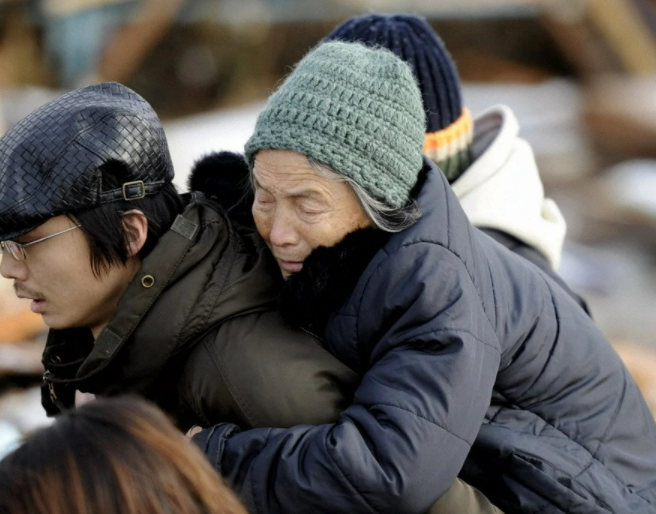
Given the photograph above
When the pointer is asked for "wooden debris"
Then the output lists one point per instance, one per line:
(641, 363)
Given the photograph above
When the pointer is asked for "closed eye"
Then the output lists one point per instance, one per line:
(311, 206)
(262, 198)
(310, 210)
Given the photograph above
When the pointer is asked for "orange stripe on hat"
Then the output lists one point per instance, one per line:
(449, 141)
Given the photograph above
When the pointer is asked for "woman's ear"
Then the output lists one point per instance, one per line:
(136, 228)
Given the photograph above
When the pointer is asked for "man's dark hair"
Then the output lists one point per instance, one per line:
(104, 228)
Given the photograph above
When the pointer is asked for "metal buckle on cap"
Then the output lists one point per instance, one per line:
(131, 192)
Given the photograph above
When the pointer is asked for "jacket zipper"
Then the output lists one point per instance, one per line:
(321, 340)
(47, 377)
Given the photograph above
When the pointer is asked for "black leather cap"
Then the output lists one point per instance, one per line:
(49, 161)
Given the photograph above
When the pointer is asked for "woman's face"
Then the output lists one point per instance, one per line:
(297, 210)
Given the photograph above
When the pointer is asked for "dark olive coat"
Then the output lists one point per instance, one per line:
(204, 341)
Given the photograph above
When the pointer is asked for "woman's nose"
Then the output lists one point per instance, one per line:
(283, 232)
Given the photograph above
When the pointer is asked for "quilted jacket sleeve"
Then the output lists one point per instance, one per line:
(432, 359)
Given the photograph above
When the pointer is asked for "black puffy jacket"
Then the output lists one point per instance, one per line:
(473, 362)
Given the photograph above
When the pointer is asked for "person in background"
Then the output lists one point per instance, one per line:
(491, 169)
(112, 456)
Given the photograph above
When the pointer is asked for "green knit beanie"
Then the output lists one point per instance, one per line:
(355, 109)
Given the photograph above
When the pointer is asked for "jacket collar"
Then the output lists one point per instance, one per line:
(327, 279)
(153, 278)
(330, 275)
(73, 355)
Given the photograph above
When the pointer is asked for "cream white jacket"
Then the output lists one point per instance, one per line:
(502, 189)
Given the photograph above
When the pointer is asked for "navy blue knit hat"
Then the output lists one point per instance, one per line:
(448, 125)
(414, 41)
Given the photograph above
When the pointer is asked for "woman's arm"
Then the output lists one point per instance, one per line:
(434, 359)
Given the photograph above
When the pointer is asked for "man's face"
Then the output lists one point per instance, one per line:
(57, 277)
(296, 209)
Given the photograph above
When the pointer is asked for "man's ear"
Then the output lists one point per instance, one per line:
(136, 227)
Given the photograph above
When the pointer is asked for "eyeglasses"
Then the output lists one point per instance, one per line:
(17, 250)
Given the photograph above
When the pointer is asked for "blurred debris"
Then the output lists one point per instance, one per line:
(623, 295)
(592, 34)
(136, 38)
(468, 8)
(10, 438)
(579, 41)
(66, 7)
(76, 33)
(16, 102)
(22, 339)
(17, 322)
(21, 59)
(584, 269)
(614, 207)
(641, 363)
(19, 326)
(192, 137)
(632, 187)
(22, 358)
(615, 19)
(620, 114)
(549, 115)
(22, 408)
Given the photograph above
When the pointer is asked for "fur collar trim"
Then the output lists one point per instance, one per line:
(328, 278)
(224, 177)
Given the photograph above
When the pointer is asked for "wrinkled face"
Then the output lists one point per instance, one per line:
(296, 210)
(57, 277)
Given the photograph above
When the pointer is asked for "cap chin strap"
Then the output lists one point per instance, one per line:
(132, 191)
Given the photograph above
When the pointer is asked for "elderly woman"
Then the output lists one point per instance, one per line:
(473, 362)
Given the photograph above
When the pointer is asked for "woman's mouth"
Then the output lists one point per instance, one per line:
(290, 266)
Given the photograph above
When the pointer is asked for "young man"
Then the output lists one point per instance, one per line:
(144, 290)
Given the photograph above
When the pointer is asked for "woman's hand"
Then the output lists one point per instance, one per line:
(193, 431)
